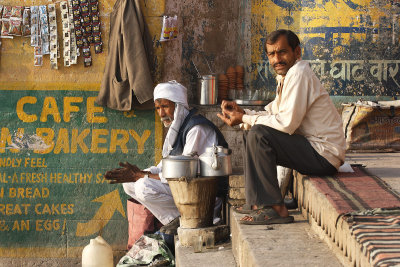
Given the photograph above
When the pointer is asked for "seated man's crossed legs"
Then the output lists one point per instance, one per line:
(155, 196)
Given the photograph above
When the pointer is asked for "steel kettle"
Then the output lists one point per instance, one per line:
(215, 161)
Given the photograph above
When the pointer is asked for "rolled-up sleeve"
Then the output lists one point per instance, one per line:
(267, 111)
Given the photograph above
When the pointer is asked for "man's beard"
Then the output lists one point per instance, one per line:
(167, 121)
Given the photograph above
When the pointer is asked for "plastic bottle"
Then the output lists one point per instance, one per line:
(98, 253)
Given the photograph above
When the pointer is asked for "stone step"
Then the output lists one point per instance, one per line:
(327, 222)
(220, 256)
(236, 187)
(292, 244)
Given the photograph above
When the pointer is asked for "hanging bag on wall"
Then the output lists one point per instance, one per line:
(372, 125)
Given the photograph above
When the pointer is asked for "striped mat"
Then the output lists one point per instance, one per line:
(379, 235)
(355, 191)
(372, 209)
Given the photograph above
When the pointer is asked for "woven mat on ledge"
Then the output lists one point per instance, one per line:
(372, 209)
(355, 191)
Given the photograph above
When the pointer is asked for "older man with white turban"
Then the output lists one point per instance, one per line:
(188, 133)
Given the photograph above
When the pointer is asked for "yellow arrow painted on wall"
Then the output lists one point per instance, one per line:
(111, 203)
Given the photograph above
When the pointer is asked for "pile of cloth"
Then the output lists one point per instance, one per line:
(148, 250)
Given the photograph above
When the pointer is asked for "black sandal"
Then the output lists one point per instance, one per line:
(245, 209)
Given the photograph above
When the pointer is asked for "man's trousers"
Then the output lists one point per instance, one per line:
(265, 148)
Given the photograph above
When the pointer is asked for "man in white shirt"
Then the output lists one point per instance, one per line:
(188, 133)
(300, 129)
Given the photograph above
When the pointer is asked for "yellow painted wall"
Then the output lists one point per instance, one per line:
(96, 207)
(337, 33)
(16, 55)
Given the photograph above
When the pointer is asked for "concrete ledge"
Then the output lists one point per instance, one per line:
(237, 193)
(236, 202)
(220, 256)
(186, 235)
(325, 220)
(237, 187)
(53, 262)
(279, 245)
(236, 181)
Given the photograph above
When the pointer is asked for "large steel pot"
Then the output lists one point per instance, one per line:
(179, 166)
(215, 161)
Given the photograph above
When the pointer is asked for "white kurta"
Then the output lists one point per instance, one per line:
(156, 195)
(304, 107)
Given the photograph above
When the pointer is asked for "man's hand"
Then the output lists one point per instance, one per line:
(128, 173)
(232, 114)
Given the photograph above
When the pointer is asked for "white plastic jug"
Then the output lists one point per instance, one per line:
(98, 253)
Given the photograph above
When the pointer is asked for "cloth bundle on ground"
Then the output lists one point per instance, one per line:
(148, 250)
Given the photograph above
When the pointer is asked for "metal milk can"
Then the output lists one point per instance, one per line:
(207, 87)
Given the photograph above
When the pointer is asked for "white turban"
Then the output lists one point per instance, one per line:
(177, 93)
(172, 91)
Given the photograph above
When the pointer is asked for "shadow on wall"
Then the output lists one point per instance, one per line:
(209, 31)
